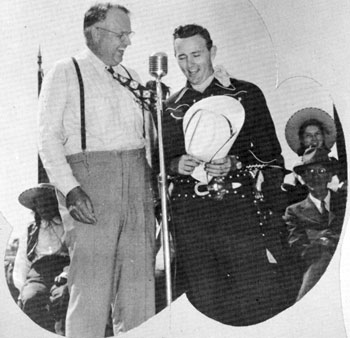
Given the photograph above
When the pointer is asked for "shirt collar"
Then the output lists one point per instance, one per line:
(317, 202)
(96, 61)
(220, 74)
(203, 86)
(56, 221)
(100, 66)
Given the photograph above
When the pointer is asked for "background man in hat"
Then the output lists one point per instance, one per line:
(42, 261)
(315, 223)
(101, 171)
(309, 127)
(229, 251)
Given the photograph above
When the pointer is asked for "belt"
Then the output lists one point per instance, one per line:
(218, 187)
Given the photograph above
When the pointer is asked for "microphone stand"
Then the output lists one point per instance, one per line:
(163, 190)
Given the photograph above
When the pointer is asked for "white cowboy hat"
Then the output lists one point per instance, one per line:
(210, 128)
(300, 117)
(27, 198)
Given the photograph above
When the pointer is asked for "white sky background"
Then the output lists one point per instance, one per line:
(301, 59)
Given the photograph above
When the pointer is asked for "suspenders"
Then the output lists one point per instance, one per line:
(82, 105)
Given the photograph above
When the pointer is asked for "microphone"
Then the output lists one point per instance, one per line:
(158, 64)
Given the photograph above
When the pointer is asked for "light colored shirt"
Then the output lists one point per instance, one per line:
(113, 118)
(50, 241)
(317, 202)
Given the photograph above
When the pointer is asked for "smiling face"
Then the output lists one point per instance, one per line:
(194, 58)
(313, 137)
(110, 47)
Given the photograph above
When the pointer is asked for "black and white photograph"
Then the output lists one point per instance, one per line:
(175, 169)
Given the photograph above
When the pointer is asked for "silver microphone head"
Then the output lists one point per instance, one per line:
(158, 64)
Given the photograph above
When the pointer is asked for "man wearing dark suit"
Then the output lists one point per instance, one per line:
(231, 257)
(315, 223)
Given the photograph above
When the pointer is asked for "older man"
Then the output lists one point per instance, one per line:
(228, 241)
(94, 126)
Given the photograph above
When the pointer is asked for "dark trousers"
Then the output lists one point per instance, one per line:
(222, 253)
(43, 301)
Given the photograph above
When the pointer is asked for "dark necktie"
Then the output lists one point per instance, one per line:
(324, 211)
(32, 240)
(143, 95)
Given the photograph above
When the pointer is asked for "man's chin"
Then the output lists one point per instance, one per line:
(118, 59)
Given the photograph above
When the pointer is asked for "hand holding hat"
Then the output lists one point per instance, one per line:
(210, 127)
(184, 164)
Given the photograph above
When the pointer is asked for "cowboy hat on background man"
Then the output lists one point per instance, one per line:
(42, 191)
(313, 156)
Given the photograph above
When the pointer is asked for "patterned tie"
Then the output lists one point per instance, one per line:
(143, 95)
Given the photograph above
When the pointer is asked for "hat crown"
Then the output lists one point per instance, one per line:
(210, 127)
(315, 156)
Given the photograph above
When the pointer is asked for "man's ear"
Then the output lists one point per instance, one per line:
(330, 176)
(95, 33)
(213, 52)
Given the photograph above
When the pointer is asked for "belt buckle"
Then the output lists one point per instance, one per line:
(197, 190)
(217, 188)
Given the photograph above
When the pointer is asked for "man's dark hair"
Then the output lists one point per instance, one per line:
(99, 11)
(187, 31)
(310, 122)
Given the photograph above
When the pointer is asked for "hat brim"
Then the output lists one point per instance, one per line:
(300, 117)
(44, 190)
(332, 164)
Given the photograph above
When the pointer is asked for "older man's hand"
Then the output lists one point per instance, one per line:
(80, 206)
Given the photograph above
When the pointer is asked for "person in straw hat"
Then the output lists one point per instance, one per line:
(309, 127)
(226, 167)
(42, 261)
(315, 224)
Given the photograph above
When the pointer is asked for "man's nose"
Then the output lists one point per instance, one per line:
(127, 40)
(190, 62)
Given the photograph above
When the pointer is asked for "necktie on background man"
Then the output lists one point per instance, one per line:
(324, 211)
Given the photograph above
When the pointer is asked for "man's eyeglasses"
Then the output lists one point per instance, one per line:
(121, 36)
(319, 171)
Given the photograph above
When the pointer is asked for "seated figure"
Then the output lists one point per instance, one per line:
(42, 261)
(314, 224)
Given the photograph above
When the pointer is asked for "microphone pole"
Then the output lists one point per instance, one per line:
(158, 67)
